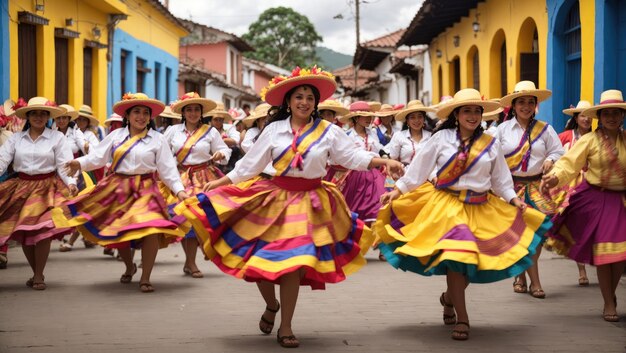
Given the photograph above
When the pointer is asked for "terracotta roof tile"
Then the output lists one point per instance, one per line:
(386, 41)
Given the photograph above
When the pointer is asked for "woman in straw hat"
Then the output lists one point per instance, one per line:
(5, 118)
(221, 121)
(330, 109)
(530, 147)
(125, 209)
(442, 229)
(254, 123)
(196, 147)
(591, 228)
(294, 229)
(88, 124)
(38, 155)
(577, 126)
(166, 119)
(386, 129)
(404, 145)
(113, 123)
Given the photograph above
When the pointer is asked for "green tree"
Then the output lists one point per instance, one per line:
(283, 37)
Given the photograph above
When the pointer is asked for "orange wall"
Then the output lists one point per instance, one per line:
(214, 55)
(260, 81)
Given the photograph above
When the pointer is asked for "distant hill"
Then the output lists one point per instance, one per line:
(331, 60)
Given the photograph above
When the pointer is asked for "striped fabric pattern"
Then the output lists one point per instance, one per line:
(25, 209)
(262, 232)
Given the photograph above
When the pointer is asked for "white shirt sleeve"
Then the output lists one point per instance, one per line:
(256, 159)
(345, 153)
(218, 145)
(248, 139)
(7, 152)
(422, 165)
(501, 179)
(62, 155)
(98, 155)
(393, 147)
(166, 166)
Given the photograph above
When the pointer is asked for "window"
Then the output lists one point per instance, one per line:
(168, 78)
(503, 81)
(476, 71)
(233, 71)
(457, 74)
(192, 86)
(123, 82)
(142, 71)
(157, 79)
(61, 77)
(572, 55)
(87, 75)
(27, 60)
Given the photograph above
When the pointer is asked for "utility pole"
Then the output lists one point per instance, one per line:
(358, 41)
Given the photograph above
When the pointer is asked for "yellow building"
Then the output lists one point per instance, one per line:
(490, 45)
(71, 51)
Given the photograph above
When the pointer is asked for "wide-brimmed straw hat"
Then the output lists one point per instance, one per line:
(113, 117)
(411, 107)
(582, 105)
(525, 88)
(386, 110)
(86, 112)
(324, 81)
(331, 104)
(259, 111)
(130, 100)
(608, 99)
(374, 106)
(192, 98)
(467, 96)
(220, 112)
(40, 103)
(8, 107)
(358, 108)
(69, 111)
(168, 113)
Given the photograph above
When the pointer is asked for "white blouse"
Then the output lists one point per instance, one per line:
(203, 150)
(49, 152)
(150, 155)
(248, 138)
(548, 146)
(489, 173)
(276, 137)
(373, 144)
(403, 148)
(75, 139)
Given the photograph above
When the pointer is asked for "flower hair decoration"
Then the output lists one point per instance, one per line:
(297, 72)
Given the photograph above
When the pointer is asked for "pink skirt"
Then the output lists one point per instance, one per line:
(362, 191)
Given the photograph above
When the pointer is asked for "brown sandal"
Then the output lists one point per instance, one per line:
(269, 325)
(583, 281)
(519, 286)
(127, 278)
(537, 293)
(447, 318)
(460, 335)
(193, 274)
(146, 287)
(287, 341)
(39, 286)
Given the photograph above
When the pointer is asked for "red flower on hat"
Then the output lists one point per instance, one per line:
(51, 104)
(189, 95)
(20, 103)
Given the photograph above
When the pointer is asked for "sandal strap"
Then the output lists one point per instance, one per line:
(274, 311)
(463, 323)
(267, 321)
(442, 300)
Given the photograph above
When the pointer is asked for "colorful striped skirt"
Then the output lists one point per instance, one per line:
(25, 208)
(362, 190)
(193, 177)
(527, 189)
(592, 229)
(119, 211)
(430, 231)
(278, 226)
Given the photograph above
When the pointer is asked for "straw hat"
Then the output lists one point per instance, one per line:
(411, 107)
(220, 112)
(467, 96)
(130, 100)
(525, 88)
(168, 113)
(324, 81)
(374, 106)
(40, 103)
(113, 117)
(608, 99)
(69, 111)
(582, 105)
(8, 107)
(260, 111)
(86, 112)
(386, 110)
(331, 104)
(192, 98)
(358, 108)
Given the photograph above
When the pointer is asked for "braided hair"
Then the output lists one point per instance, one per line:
(451, 123)
(150, 124)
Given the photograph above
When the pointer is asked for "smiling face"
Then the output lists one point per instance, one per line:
(302, 103)
(217, 122)
(612, 118)
(364, 121)
(469, 118)
(416, 120)
(38, 119)
(584, 122)
(327, 115)
(525, 106)
(138, 117)
(192, 113)
(62, 122)
(386, 120)
(82, 123)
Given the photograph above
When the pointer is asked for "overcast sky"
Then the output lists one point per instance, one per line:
(378, 17)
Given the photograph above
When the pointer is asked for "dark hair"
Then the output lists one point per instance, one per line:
(428, 122)
(27, 124)
(511, 114)
(451, 123)
(150, 124)
(182, 111)
(282, 113)
(332, 111)
(572, 124)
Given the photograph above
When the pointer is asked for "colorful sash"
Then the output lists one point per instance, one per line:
(455, 167)
(520, 156)
(382, 138)
(608, 153)
(121, 151)
(311, 135)
(185, 150)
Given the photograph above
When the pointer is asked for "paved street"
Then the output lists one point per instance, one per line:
(86, 309)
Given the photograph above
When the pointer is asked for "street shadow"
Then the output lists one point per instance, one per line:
(160, 286)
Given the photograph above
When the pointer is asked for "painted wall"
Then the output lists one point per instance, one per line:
(85, 17)
(5, 82)
(260, 80)
(213, 55)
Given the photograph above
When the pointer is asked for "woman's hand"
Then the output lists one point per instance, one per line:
(548, 182)
(210, 186)
(395, 168)
(390, 196)
(519, 204)
(182, 195)
(73, 189)
(71, 168)
(217, 156)
(547, 166)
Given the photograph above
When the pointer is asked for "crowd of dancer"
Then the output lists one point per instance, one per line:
(297, 191)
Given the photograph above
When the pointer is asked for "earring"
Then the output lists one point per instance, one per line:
(288, 109)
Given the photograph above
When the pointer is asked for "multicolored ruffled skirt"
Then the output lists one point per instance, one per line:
(193, 177)
(528, 190)
(430, 231)
(362, 190)
(592, 229)
(25, 208)
(119, 211)
(278, 226)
